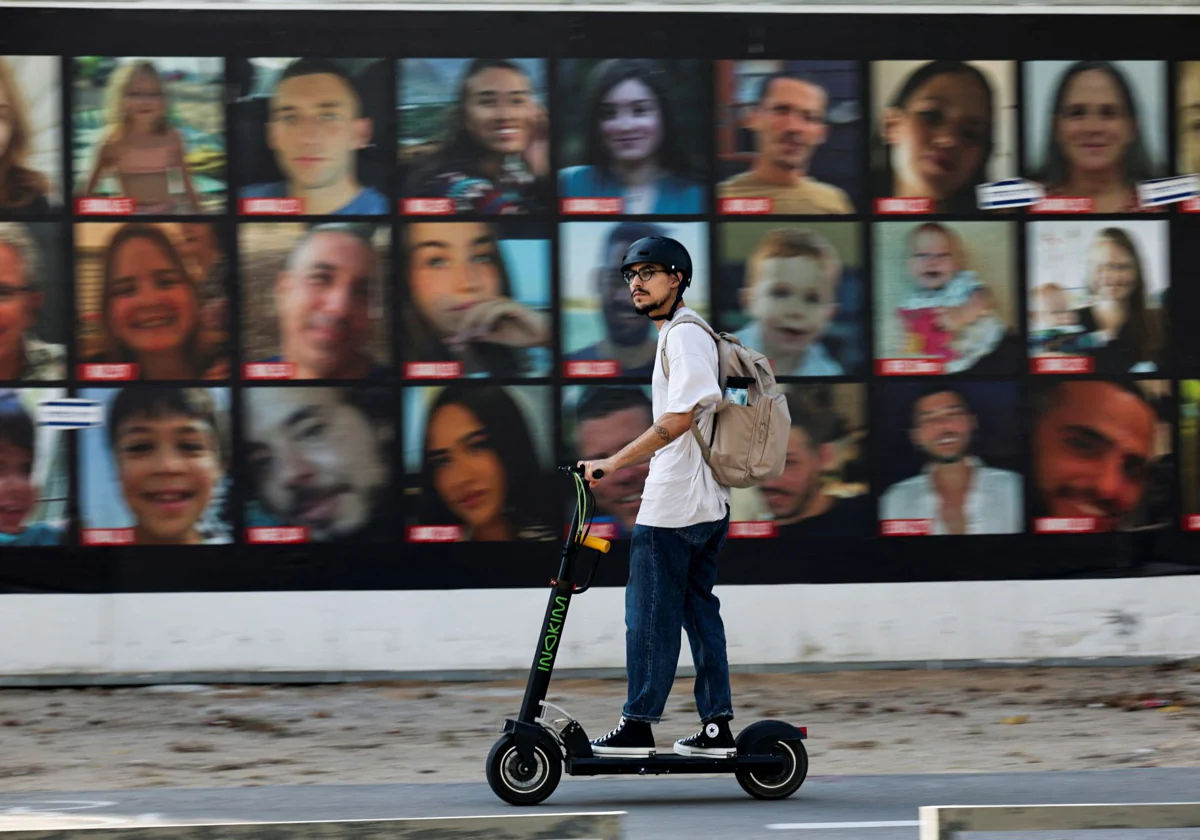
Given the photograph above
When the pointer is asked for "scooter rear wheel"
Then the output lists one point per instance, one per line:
(779, 785)
(520, 784)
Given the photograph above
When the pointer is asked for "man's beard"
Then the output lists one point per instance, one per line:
(645, 307)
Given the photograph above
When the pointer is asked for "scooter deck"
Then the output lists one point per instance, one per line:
(671, 763)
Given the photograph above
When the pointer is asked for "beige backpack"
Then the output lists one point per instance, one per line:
(751, 423)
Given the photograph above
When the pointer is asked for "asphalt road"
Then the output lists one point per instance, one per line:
(711, 808)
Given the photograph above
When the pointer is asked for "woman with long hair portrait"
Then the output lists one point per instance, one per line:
(1094, 147)
(632, 146)
(458, 303)
(479, 467)
(22, 189)
(937, 137)
(495, 155)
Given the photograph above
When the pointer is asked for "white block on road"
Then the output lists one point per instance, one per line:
(945, 822)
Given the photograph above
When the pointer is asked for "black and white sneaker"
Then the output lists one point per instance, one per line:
(714, 740)
(631, 739)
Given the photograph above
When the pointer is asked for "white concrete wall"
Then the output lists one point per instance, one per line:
(105, 635)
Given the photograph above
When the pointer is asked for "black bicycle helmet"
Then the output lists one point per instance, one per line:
(670, 255)
(662, 250)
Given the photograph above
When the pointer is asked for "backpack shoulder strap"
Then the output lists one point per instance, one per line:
(686, 318)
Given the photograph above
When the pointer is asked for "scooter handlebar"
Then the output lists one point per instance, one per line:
(599, 543)
(575, 468)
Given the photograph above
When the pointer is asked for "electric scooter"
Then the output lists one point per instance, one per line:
(525, 765)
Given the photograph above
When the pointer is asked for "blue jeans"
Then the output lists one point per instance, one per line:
(672, 572)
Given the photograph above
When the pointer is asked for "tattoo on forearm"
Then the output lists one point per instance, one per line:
(661, 432)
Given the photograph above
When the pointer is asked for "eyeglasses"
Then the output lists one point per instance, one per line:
(645, 272)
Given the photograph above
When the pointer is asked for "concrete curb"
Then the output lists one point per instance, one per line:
(605, 825)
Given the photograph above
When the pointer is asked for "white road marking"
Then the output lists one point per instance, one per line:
(828, 826)
(32, 807)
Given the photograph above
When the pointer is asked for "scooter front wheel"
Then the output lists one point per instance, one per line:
(778, 785)
(517, 782)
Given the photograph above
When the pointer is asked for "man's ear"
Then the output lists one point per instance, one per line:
(826, 454)
(364, 129)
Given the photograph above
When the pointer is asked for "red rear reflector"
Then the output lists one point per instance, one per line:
(804, 731)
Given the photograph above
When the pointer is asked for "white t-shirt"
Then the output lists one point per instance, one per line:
(680, 489)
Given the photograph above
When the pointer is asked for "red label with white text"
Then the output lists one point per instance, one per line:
(1191, 205)
(104, 206)
(268, 370)
(753, 530)
(604, 367)
(106, 373)
(1062, 364)
(745, 206)
(905, 527)
(427, 207)
(597, 206)
(1062, 205)
(271, 206)
(903, 206)
(279, 535)
(1191, 522)
(1064, 525)
(106, 536)
(433, 370)
(908, 367)
(434, 533)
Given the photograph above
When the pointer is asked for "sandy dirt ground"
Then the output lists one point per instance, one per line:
(860, 722)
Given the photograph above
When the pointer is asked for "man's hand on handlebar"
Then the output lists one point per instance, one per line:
(593, 471)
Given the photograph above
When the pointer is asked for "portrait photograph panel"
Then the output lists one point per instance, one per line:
(950, 458)
(318, 464)
(1102, 455)
(602, 333)
(824, 489)
(151, 301)
(479, 466)
(1096, 295)
(939, 129)
(34, 292)
(632, 136)
(31, 134)
(312, 135)
(1187, 118)
(788, 137)
(34, 475)
(946, 298)
(315, 300)
(1094, 130)
(796, 292)
(474, 299)
(157, 471)
(473, 136)
(149, 135)
(598, 421)
(1189, 453)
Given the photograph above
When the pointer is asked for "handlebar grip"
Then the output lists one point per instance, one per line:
(600, 544)
(597, 473)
